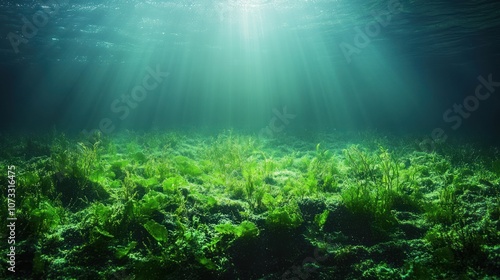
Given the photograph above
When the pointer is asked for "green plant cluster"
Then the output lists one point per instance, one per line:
(160, 203)
(376, 181)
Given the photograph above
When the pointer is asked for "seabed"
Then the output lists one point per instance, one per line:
(184, 205)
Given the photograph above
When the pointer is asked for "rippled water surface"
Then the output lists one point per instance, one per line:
(114, 30)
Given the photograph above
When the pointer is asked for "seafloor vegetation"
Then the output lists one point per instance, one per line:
(234, 206)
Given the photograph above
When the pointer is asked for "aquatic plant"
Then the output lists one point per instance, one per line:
(229, 151)
(361, 164)
(43, 217)
(171, 184)
(320, 219)
(63, 159)
(377, 184)
(245, 229)
(288, 216)
(151, 202)
(128, 186)
(187, 166)
(389, 167)
(88, 157)
(123, 251)
(445, 210)
(158, 231)
(322, 172)
(210, 205)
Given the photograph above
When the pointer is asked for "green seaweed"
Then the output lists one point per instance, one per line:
(244, 230)
(123, 251)
(374, 207)
(288, 216)
(158, 231)
(320, 219)
(187, 166)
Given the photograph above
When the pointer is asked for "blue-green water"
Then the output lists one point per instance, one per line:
(395, 65)
(250, 139)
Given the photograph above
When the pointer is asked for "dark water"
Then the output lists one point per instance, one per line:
(386, 65)
(250, 139)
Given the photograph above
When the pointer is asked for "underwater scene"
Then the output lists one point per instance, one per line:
(250, 139)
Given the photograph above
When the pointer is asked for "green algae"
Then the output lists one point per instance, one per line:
(170, 204)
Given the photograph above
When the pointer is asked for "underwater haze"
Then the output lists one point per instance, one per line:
(393, 65)
(250, 139)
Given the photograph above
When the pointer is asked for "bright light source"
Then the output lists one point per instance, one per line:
(247, 5)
